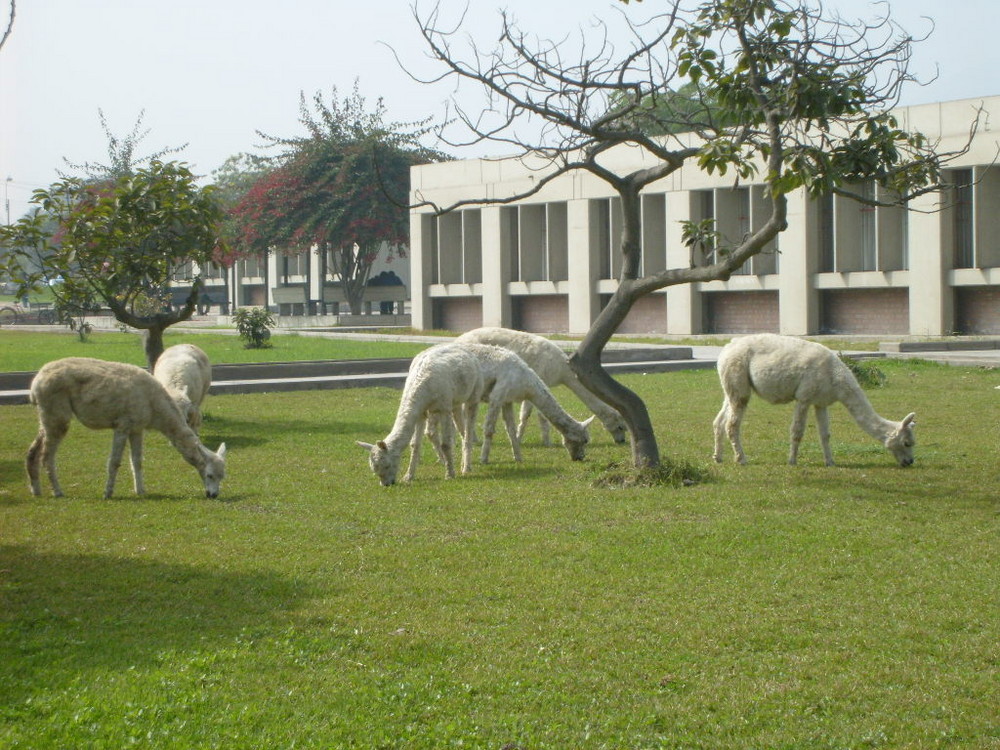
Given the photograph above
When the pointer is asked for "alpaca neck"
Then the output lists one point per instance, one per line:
(546, 403)
(173, 425)
(411, 408)
(860, 408)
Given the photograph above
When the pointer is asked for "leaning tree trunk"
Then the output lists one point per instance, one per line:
(586, 361)
(154, 325)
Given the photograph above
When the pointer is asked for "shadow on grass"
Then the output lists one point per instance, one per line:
(244, 433)
(64, 617)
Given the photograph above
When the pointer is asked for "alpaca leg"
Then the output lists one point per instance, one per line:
(415, 443)
(52, 432)
(468, 434)
(823, 424)
(508, 418)
(544, 426)
(522, 427)
(447, 446)
(489, 427)
(33, 462)
(434, 436)
(114, 461)
(719, 428)
(135, 443)
(798, 430)
(734, 419)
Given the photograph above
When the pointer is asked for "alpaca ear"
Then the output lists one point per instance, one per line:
(586, 422)
(366, 446)
(221, 453)
(910, 420)
(381, 444)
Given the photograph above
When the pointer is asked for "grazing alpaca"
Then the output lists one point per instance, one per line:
(443, 387)
(780, 369)
(551, 364)
(116, 396)
(186, 373)
(506, 379)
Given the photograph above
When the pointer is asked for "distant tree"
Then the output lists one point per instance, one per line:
(123, 157)
(10, 24)
(117, 242)
(342, 188)
(775, 88)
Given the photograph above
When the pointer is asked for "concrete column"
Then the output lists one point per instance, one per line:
(932, 302)
(496, 244)
(273, 267)
(684, 301)
(421, 256)
(584, 302)
(798, 301)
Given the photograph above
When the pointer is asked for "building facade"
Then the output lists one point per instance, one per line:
(549, 263)
(294, 284)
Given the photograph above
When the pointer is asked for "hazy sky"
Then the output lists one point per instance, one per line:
(210, 73)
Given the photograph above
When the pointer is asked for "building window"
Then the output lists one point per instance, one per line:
(827, 252)
(962, 213)
(600, 226)
(252, 266)
(869, 229)
(510, 239)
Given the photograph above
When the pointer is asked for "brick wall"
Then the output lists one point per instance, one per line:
(977, 310)
(458, 313)
(865, 311)
(541, 314)
(741, 312)
(648, 315)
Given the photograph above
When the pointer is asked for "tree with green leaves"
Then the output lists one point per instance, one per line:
(341, 189)
(116, 243)
(776, 90)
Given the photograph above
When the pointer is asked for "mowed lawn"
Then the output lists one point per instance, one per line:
(519, 606)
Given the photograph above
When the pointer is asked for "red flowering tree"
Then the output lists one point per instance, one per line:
(342, 189)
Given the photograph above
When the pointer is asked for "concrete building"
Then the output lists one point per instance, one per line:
(549, 263)
(296, 284)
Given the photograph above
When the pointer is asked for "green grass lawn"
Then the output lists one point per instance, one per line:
(29, 350)
(519, 606)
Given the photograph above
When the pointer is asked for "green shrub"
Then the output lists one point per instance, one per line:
(866, 371)
(254, 326)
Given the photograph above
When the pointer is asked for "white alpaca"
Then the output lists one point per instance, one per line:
(186, 373)
(443, 387)
(116, 396)
(507, 379)
(551, 364)
(780, 369)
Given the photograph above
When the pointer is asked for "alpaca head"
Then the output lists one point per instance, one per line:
(213, 470)
(901, 441)
(382, 461)
(576, 439)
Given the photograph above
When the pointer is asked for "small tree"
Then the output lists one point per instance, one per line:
(773, 88)
(328, 190)
(254, 326)
(118, 242)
